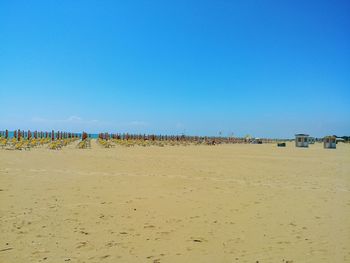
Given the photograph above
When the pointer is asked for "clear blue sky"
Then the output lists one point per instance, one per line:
(265, 68)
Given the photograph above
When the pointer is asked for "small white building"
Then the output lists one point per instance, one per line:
(330, 142)
(312, 140)
(301, 140)
(339, 140)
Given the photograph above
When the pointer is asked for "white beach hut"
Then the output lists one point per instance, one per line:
(312, 140)
(330, 142)
(301, 140)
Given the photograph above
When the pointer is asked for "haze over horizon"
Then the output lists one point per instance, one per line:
(265, 68)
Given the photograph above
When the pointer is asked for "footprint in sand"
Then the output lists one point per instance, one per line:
(198, 239)
(111, 244)
(82, 244)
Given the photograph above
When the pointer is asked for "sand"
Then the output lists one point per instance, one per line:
(227, 203)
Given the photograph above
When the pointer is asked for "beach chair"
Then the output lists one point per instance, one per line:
(3, 143)
(18, 145)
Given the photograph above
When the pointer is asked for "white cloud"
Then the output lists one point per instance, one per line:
(74, 119)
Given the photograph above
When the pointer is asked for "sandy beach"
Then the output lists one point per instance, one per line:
(225, 203)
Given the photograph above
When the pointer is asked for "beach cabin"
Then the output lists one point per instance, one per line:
(301, 140)
(312, 140)
(339, 140)
(257, 141)
(330, 142)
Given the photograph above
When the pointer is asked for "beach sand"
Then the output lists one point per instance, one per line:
(226, 203)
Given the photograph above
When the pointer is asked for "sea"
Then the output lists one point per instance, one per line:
(11, 134)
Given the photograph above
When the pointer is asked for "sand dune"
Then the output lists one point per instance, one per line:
(226, 203)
